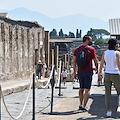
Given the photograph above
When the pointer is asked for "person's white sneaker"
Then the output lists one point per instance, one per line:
(118, 110)
(85, 109)
(109, 113)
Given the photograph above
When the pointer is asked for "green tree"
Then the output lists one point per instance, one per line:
(98, 33)
(71, 35)
(66, 36)
(99, 42)
(53, 33)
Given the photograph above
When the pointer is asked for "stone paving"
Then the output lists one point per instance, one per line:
(65, 107)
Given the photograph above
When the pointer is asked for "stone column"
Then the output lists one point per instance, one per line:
(20, 52)
(28, 48)
(65, 60)
(6, 50)
(47, 48)
(68, 61)
(17, 48)
(52, 57)
(23, 48)
(63, 65)
(13, 51)
(39, 47)
(37, 52)
(1, 50)
(33, 48)
(56, 56)
(10, 48)
(42, 44)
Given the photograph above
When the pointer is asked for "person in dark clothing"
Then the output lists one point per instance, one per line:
(39, 69)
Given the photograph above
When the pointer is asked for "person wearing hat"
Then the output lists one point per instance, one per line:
(111, 59)
(39, 69)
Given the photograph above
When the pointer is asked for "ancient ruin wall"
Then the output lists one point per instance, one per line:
(18, 41)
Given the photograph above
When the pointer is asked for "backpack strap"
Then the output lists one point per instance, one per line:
(78, 49)
(86, 48)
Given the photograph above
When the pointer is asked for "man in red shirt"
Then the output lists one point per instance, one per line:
(85, 75)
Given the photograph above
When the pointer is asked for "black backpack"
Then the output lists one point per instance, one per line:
(39, 66)
(81, 58)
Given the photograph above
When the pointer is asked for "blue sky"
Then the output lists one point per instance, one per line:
(101, 9)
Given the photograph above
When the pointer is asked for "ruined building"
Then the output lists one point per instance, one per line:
(22, 44)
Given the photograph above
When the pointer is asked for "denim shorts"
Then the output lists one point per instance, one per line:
(85, 79)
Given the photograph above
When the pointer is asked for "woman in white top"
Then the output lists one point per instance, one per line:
(111, 58)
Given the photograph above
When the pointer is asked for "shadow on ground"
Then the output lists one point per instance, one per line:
(98, 108)
(65, 113)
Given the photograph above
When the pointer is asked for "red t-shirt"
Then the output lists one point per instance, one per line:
(90, 54)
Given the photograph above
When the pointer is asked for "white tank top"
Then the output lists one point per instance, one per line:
(111, 62)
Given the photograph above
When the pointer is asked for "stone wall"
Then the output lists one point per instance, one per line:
(19, 48)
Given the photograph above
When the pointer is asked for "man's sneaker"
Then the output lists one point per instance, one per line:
(80, 107)
(109, 113)
(85, 109)
(118, 110)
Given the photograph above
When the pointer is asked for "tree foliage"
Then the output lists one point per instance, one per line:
(71, 35)
(98, 33)
(99, 42)
(53, 33)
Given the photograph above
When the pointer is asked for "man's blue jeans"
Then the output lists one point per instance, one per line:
(39, 74)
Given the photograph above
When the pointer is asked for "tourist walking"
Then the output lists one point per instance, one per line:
(39, 69)
(71, 75)
(64, 75)
(85, 74)
(111, 58)
(44, 69)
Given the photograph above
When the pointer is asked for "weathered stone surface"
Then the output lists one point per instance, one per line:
(18, 42)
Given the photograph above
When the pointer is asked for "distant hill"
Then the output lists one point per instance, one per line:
(67, 23)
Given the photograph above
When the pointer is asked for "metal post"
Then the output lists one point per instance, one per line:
(60, 86)
(33, 96)
(53, 82)
(60, 83)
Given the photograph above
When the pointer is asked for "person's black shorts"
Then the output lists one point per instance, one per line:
(64, 78)
(85, 79)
